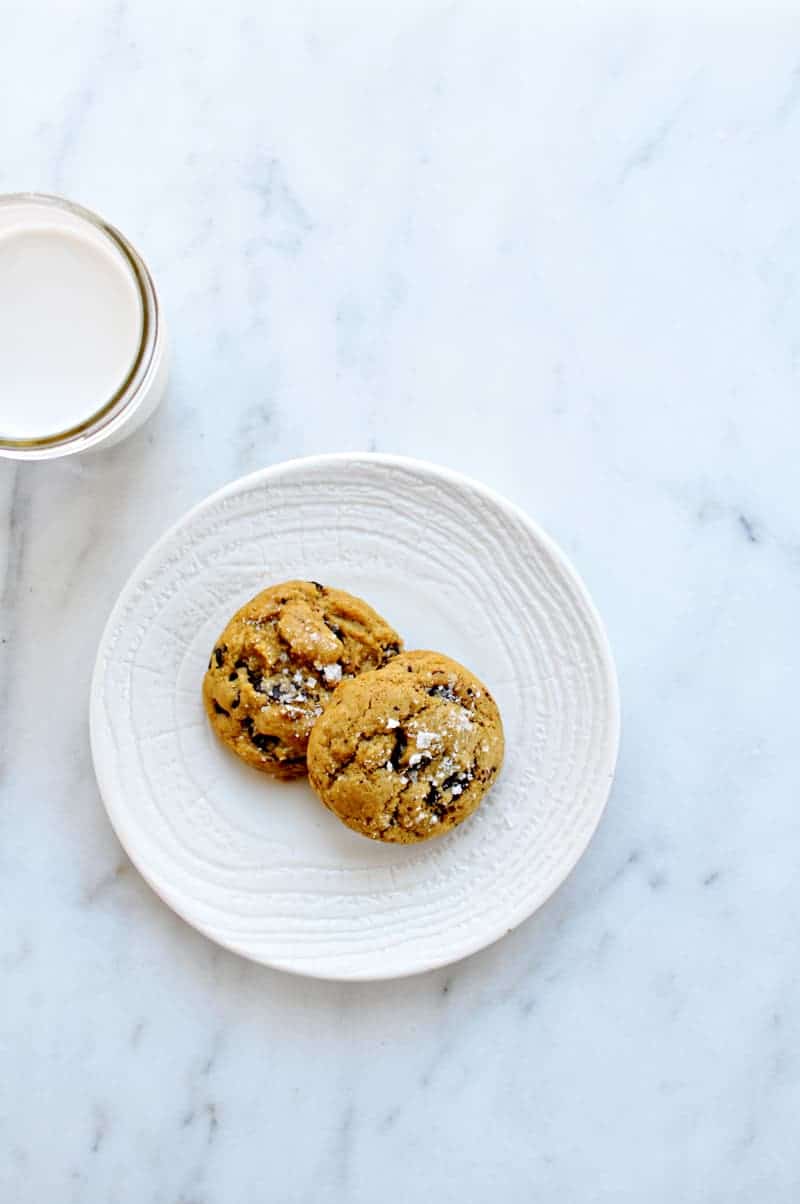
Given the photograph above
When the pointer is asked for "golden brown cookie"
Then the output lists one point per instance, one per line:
(407, 752)
(275, 666)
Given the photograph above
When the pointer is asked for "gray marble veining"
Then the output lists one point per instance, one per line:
(559, 251)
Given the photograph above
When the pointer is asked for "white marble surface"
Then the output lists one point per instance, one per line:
(559, 251)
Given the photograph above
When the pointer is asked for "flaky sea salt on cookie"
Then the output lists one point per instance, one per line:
(407, 752)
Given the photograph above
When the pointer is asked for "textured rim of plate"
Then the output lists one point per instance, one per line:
(116, 808)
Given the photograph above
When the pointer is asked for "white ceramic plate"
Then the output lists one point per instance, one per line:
(262, 867)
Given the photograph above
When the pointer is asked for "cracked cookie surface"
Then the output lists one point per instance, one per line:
(274, 668)
(407, 752)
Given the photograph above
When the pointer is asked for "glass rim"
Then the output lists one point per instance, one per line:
(111, 414)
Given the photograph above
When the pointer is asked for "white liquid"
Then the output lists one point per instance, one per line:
(70, 326)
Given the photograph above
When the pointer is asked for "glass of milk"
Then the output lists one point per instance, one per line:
(82, 342)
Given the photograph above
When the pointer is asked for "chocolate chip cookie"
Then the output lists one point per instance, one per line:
(407, 752)
(275, 666)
